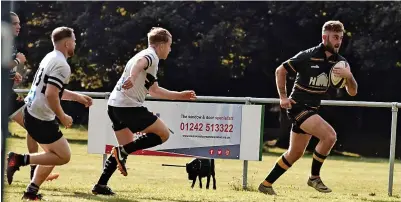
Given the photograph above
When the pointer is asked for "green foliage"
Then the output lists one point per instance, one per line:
(217, 45)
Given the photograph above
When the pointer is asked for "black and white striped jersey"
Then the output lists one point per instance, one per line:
(135, 96)
(53, 70)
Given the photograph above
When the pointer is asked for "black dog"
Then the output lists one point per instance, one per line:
(201, 168)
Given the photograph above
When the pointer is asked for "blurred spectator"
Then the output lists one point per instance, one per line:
(6, 59)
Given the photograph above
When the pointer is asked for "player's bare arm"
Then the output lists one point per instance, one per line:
(83, 99)
(139, 66)
(52, 96)
(159, 92)
(351, 85)
(281, 74)
(19, 58)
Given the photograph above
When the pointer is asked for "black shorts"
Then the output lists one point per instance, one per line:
(15, 105)
(299, 113)
(43, 132)
(134, 118)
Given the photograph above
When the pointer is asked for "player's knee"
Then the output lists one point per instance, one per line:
(331, 138)
(65, 157)
(164, 135)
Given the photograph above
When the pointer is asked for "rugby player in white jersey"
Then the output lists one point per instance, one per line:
(43, 105)
(126, 110)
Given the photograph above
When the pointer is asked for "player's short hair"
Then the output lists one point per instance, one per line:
(158, 35)
(8, 18)
(61, 33)
(333, 26)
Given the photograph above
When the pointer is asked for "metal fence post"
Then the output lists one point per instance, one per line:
(106, 96)
(245, 165)
(394, 113)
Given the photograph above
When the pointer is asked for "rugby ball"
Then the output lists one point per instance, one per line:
(336, 81)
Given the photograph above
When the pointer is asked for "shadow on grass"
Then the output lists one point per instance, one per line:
(78, 141)
(15, 136)
(334, 155)
(155, 198)
(378, 200)
(98, 198)
(71, 141)
(85, 195)
(115, 198)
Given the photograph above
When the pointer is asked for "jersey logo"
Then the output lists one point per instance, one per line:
(315, 66)
(319, 81)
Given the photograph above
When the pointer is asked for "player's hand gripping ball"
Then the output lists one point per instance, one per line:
(337, 80)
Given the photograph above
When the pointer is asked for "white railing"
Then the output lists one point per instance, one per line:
(249, 100)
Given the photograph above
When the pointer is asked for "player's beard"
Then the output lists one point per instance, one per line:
(330, 47)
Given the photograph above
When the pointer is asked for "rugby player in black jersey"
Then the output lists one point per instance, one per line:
(312, 68)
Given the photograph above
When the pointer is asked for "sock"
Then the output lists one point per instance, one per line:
(27, 159)
(124, 152)
(33, 167)
(108, 170)
(143, 142)
(32, 188)
(317, 163)
(23, 158)
(281, 166)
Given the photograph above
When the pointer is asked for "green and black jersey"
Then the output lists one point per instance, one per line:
(312, 69)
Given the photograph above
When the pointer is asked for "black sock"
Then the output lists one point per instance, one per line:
(32, 188)
(24, 159)
(108, 170)
(281, 166)
(317, 163)
(27, 159)
(33, 167)
(143, 142)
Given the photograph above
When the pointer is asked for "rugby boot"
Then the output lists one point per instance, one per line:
(13, 164)
(32, 196)
(318, 185)
(266, 189)
(102, 190)
(120, 158)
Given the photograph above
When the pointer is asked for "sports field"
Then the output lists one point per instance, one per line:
(351, 178)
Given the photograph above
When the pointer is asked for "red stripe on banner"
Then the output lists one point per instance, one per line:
(148, 152)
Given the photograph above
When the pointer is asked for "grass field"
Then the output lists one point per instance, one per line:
(351, 178)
